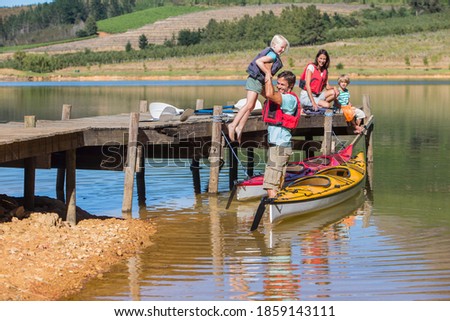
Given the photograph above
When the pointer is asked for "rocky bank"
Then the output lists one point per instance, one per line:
(44, 258)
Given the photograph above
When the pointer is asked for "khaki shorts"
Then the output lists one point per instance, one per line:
(276, 167)
(253, 85)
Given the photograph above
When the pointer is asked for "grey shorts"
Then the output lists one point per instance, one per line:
(306, 102)
(276, 165)
(253, 85)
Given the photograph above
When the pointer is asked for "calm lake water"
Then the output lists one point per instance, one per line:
(390, 244)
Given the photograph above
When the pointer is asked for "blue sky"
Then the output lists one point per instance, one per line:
(12, 3)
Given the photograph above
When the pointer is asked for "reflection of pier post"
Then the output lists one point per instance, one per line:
(216, 235)
(133, 265)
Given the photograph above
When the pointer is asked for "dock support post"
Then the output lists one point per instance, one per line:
(130, 167)
(199, 104)
(195, 169)
(61, 172)
(30, 121)
(233, 171)
(140, 177)
(71, 165)
(143, 106)
(327, 137)
(250, 161)
(60, 178)
(29, 171)
(369, 141)
(214, 153)
(309, 152)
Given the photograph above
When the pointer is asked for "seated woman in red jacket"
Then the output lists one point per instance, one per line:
(317, 94)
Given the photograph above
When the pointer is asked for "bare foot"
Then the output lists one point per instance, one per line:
(358, 130)
(231, 129)
(271, 193)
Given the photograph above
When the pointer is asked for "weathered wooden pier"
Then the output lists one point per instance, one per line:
(122, 142)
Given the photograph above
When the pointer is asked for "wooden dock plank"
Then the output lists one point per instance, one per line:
(17, 142)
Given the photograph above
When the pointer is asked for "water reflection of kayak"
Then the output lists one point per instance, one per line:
(305, 224)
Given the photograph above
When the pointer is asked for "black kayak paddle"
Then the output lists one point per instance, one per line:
(259, 213)
(232, 193)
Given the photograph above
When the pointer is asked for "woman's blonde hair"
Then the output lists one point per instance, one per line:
(278, 39)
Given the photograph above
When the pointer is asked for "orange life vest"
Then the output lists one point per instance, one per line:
(348, 112)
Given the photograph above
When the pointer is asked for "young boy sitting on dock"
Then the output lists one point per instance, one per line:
(352, 115)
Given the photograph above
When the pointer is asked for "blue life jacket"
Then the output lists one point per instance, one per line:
(256, 73)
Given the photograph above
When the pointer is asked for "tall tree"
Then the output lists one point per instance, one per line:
(91, 26)
(143, 42)
(98, 10)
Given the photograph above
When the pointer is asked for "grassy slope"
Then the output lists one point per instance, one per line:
(118, 24)
(138, 19)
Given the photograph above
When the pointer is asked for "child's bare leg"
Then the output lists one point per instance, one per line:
(251, 98)
(235, 122)
(241, 118)
(240, 126)
(358, 127)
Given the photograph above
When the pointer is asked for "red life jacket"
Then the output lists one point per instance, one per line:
(273, 115)
(318, 82)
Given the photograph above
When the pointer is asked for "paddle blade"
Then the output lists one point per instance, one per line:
(259, 213)
(231, 197)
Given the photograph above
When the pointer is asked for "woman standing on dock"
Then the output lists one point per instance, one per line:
(317, 94)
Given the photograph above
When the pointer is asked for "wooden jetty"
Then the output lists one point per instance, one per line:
(122, 142)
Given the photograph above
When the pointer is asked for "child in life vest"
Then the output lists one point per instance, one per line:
(267, 61)
(352, 115)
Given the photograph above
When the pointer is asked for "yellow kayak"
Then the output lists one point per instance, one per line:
(326, 188)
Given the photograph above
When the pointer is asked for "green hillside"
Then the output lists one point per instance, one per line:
(371, 41)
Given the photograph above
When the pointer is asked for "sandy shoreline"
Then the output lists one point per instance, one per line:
(44, 258)
(10, 78)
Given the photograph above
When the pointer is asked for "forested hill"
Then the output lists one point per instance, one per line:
(64, 19)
